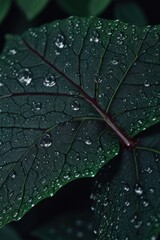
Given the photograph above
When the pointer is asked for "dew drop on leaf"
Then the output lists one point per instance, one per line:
(88, 141)
(98, 78)
(95, 37)
(146, 83)
(114, 61)
(49, 81)
(46, 140)
(25, 76)
(36, 106)
(75, 105)
(60, 41)
(138, 189)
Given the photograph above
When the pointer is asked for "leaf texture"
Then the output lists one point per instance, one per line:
(59, 85)
(127, 201)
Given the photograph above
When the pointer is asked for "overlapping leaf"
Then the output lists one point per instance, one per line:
(127, 204)
(71, 226)
(58, 85)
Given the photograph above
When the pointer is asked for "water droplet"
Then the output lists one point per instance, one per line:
(25, 76)
(126, 187)
(98, 78)
(88, 141)
(145, 203)
(46, 140)
(36, 106)
(12, 51)
(138, 189)
(75, 105)
(146, 83)
(60, 41)
(127, 203)
(13, 174)
(114, 61)
(95, 37)
(49, 80)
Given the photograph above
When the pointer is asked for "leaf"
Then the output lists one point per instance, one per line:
(68, 227)
(59, 86)
(127, 202)
(130, 12)
(32, 8)
(7, 233)
(4, 8)
(84, 7)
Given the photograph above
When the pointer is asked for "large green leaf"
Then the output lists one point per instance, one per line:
(71, 226)
(4, 8)
(130, 12)
(59, 85)
(31, 8)
(127, 202)
(7, 233)
(84, 7)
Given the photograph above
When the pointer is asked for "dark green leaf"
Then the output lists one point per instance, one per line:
(84, 7)
(127, 202)
(68, 227)
(4, 8)
(130, 12)
(59, 85)
(7, 233)
(31, 8)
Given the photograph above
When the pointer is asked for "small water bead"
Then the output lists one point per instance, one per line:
(13, 174)
(49, 81)
(60, 42)
(95, 37)
(114, 61)
(25, 76)
(88, 141)
(36, 106)
(46, 140)
(75, 105)
(126, 187)
(146, 83)
(98, 78)
(12, 51)
(145, 203)
(138, 189)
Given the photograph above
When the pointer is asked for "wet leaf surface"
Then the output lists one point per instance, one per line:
(127, 203)
(59, 85)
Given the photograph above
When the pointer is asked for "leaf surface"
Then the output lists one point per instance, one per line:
(31, 8)
(127, 204)
(59, 85)
(84, 8)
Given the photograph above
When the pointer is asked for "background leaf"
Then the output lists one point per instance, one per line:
(71, 226)
(57, 85)
(4, 8)
(84, 7)
(130, 12)
(31, 8)
(127, 201)
(7, 233)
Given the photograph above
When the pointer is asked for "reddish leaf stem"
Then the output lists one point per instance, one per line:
(124, 139)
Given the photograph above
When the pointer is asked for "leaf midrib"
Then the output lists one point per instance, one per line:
(92, 101)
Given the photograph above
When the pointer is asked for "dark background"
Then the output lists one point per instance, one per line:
(76, 195)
